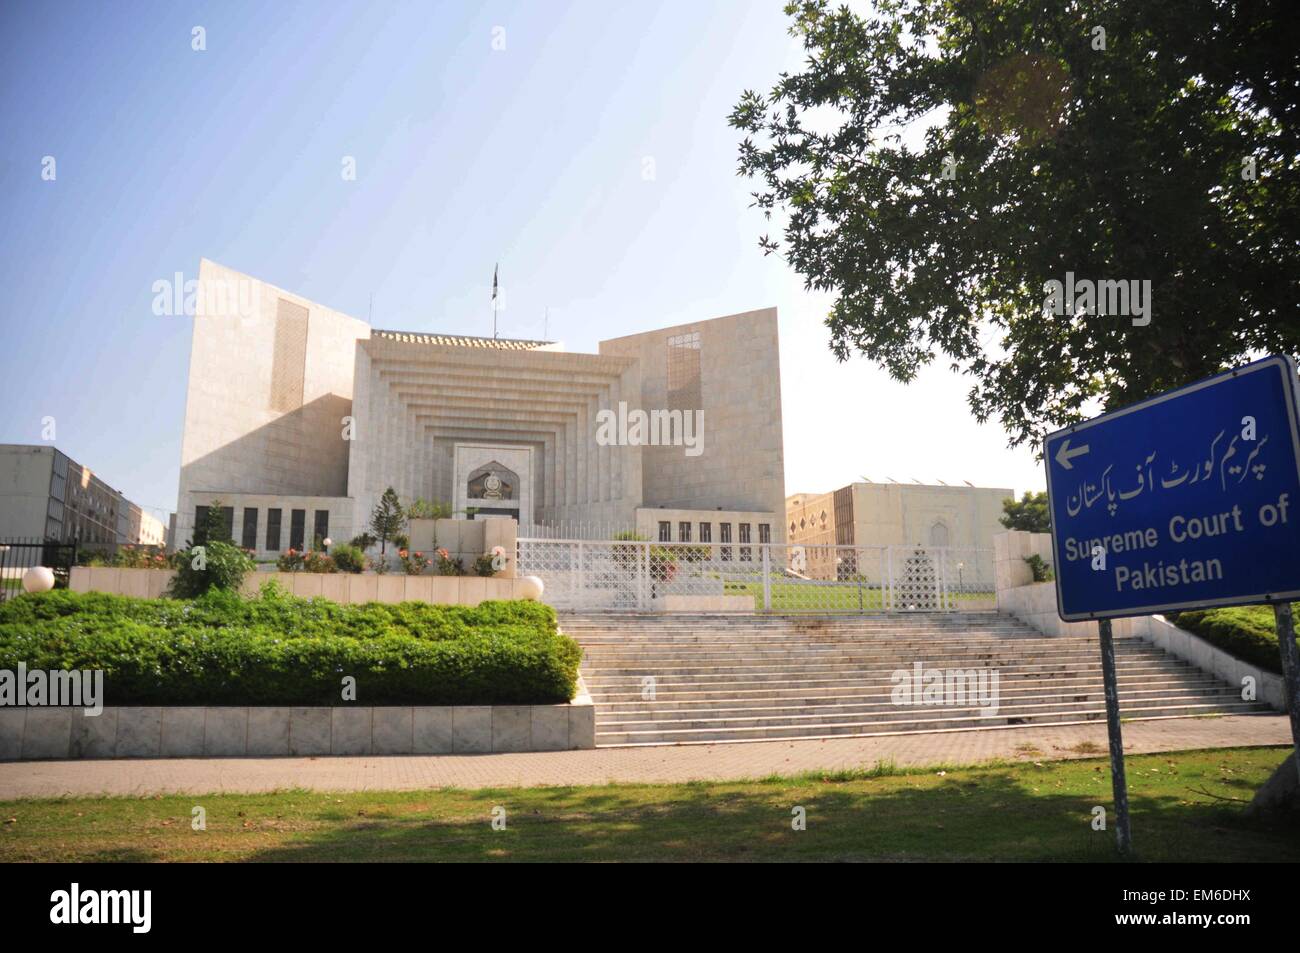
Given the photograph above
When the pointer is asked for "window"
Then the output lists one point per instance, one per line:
(684, 372)
(297, 526)
(665, 531)
(200, 521)
(706, 532)
(745, 551)
(250, 527)
(725, 531)
(322, 531)
(288, 356)
(273, 530)
(684, 531)
(764, 533)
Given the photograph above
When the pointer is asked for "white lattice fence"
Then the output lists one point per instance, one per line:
(636, 574)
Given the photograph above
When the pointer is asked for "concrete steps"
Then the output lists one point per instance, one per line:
(719, 679)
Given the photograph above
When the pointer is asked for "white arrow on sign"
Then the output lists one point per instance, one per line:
(1064, 454)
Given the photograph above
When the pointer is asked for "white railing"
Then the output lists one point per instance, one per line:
(575, 529)
(777, 577)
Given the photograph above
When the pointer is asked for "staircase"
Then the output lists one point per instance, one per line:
(719, 678)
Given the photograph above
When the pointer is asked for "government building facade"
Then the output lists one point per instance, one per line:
(298, 417)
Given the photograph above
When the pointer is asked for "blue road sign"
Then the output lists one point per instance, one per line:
(1188, 499)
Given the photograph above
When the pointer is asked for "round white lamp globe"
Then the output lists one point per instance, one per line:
(531, 587)
(38, 579)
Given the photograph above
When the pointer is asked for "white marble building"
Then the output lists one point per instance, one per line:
(298, 417)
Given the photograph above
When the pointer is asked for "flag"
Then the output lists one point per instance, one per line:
(494, 282)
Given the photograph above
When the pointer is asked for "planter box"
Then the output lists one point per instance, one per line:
(262, 732)
(338, 587)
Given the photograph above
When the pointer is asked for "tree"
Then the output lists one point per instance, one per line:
(422, 509)
(1153, 141)
(212, 528)
(387, 518)
(1029, 514)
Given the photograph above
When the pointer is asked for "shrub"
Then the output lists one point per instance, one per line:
(313, 561)
(214, 565)
(1042, 571)
(221, 649)
(422, 509)
(448, 566)
(290, 561)
(662, 564)
(362, 541)
(628, 557)
(348, 558)
(489, 564)
(1246, 632)
(134, 557)
(413, 564)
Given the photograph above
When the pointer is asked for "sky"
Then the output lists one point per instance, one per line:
(582, 146)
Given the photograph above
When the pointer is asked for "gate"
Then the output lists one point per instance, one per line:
(19, 555)
(776, 577)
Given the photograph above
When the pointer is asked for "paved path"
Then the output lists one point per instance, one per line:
(20, 779)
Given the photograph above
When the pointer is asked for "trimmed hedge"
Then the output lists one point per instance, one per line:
(221, 649)
(1246, 632)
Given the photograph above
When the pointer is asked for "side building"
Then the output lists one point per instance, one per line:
(45, 494)
(867, 516)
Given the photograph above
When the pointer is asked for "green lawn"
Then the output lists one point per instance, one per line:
(1022, 811)
(832, 597)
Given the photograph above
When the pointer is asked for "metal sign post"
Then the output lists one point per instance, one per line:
(1290, 669)
(1190, 499)
(1118, 783)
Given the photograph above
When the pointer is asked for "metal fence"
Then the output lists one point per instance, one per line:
(776, 577)
(19, 555)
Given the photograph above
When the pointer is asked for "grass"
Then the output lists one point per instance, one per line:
(1027, 811)
(829, 597)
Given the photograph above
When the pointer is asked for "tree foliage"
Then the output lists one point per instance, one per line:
(1126, 156)
(1029, 513)
(213, 526)
(387, 518)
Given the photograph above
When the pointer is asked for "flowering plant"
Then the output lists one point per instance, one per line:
(290, 561)
(448, 566)
(489, 564)
(413, 564)
(318, 562)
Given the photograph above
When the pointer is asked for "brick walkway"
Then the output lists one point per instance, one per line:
(604, 765)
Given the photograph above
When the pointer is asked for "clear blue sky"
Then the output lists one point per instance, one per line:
(533, 156)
